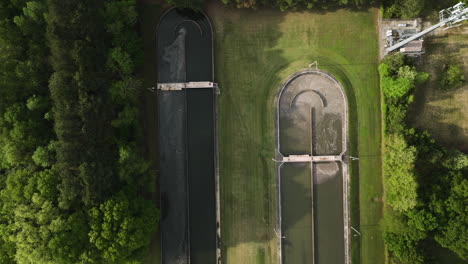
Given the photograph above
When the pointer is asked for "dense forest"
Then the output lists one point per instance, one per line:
(426, 185)
(71, 176)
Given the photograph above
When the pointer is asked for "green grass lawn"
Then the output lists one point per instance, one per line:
(255, 51)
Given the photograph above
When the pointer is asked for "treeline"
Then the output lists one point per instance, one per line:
(413, 8)
(296, 4)
(71, 175)
(281, 4)
(426, 185)
(389, 8)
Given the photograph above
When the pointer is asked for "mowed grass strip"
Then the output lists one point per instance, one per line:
(255, 51)
(149, 14)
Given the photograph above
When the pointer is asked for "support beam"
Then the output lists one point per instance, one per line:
(415, 36)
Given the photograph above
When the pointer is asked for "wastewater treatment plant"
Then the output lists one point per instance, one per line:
(233, 132)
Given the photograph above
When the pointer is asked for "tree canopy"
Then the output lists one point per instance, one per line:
(425, 184)
(71, 174)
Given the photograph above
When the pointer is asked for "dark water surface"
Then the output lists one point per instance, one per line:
(328, 213)
(296, 210)
(172, 177)
(201, 171)
(187, 140)
(323, 224)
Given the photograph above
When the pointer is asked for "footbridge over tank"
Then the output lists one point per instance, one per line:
(310, 158)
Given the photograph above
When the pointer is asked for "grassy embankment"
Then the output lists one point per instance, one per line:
(256, 50)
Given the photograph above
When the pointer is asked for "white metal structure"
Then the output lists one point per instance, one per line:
(310, 158)
(187, 85)
(454, 15)
(451, 17)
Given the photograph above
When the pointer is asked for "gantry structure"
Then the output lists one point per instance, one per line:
(450, 17)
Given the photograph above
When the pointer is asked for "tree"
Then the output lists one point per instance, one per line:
(44, 156)
(397, 83)
(411, 8)
(120, 228)
(404, 8)
(20, 185)
(31, 232)
(401, 238)
(452, 77)
(69, 240)
(455, 160)
(404, 248)
(38, 103)
(125, 91)
(393, 62)
(47, 181)
(128, 117)
(7, 246)
(422, 220)
(119, 15)
(32, 20)
(453, 230)
(133, 169)
(14, 153)
(193, 4)
(399, 173)
(121, 61)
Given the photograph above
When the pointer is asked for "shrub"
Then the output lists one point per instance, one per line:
(452, 77)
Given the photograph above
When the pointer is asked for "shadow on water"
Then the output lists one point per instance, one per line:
(187, 150)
